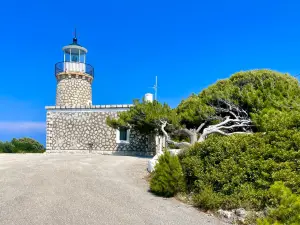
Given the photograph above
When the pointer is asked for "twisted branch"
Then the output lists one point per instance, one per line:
(168, 139)
(240, 121)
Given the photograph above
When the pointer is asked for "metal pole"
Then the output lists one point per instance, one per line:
(79, 56)
(155, 88)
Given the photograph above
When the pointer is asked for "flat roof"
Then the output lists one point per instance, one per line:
(123, 106)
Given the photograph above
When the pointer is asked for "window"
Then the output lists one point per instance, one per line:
(122, 135)
(74, 58)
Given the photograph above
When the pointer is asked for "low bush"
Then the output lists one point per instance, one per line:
(285, 207)
(167, 179)
(237, 171)
(207, 199)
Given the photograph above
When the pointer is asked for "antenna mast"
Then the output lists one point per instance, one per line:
(155, 89)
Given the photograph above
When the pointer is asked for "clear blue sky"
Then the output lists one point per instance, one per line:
(187, 44)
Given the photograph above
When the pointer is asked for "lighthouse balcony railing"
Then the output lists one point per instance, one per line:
(75, 67)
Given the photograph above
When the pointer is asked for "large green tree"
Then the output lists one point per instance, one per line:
(250, 101)
(264, 94)
(145, 117)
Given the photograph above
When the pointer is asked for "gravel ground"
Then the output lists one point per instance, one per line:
(85, 189)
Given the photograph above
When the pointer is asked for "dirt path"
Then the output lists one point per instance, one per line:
(85, 189)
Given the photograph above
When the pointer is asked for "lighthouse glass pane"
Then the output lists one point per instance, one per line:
(68, 58)
(81, 59)
(75, 58)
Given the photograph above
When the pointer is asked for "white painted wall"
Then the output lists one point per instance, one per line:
(74, 67)
(148, 97)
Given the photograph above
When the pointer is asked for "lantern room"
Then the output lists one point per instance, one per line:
(74, 57)
(74, 61)
(74, 52)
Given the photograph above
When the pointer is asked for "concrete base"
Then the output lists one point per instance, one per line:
(152, 162)
(174, 151)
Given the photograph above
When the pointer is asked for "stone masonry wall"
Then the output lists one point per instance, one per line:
(86, 132)
(73, 90)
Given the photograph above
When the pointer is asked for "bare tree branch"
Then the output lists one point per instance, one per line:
(239, 124)
(184, 131)
(168, 139)
(234, 120)
(200, 127)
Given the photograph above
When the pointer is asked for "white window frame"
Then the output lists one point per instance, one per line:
(122, 141)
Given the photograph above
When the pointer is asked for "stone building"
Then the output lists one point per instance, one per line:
(75, 125)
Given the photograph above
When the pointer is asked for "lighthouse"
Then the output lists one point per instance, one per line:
(74, 77)
(75, 125)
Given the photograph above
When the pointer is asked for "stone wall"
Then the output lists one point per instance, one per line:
(86, 131)
(73, 90)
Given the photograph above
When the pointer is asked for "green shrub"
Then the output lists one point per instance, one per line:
(207, 199)
(27, 145)
(167, 179)
(22, 145)
(6, 147)
(238, 170)
(285, 206)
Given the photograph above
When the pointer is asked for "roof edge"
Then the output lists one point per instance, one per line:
(123, 106)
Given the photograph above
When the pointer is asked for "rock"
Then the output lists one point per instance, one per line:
(241, 212)
(225, 214)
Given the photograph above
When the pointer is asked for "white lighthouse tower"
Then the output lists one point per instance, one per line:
(74, 77)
